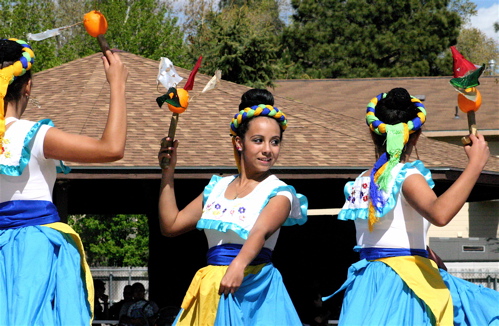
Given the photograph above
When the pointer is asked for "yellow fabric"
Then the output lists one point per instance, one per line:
(200, 303)
(63, 227)
(422, 276)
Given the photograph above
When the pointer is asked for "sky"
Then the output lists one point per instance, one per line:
(488, 13)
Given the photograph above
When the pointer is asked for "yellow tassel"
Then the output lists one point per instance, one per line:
(372, 217)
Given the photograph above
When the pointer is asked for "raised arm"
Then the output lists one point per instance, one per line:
(111, 146)
(172, 221)
(270, 220)
(440, 210)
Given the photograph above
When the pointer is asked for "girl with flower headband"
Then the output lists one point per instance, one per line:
(393, 205)
(241, 216)
(44, 279)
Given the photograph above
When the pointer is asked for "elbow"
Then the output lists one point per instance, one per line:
(440, 221)
(115, 155)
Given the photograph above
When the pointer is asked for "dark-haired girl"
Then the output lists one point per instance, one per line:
(393, 205)
(44, 279)
(241, 216)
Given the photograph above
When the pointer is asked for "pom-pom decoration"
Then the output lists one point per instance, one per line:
(96, 25)
(470, 100)
(465, 81)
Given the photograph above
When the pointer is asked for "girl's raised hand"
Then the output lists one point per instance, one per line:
(478, 152)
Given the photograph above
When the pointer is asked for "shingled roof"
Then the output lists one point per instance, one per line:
(75, 96)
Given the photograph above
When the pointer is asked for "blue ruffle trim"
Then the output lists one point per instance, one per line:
(303, 205)
(222, 226)
(209, 187)
(363, 213)
(17, 170)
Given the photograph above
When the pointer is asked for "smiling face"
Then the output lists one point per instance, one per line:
(261, 145)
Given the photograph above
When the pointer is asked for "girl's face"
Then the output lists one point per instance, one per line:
(261, 144)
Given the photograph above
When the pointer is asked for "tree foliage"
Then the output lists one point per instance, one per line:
(142, 27)
(361, 38)
(113, 240)
(477, 47)
(242, 41)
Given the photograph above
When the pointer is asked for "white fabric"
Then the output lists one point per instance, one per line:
(241, 211)
(402, 227)
(38, 178)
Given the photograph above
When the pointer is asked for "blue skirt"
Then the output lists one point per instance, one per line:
(262, 300)
(41, 279)
(377, 295)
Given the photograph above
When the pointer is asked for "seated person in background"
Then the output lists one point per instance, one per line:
(100, 309)
(142, 311)
(115, 310)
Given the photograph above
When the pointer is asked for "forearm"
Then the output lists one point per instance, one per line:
(168, 209)
(114, 134)
(452, 200)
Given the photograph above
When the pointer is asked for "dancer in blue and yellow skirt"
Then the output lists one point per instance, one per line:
(241, 216)
(44, 278)
(395, 283)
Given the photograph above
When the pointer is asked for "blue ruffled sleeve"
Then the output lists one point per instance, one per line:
(17, 170)
(299, 205)
(209, 187)
(357, 193)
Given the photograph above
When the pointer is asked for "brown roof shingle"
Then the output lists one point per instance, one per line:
(76, 97)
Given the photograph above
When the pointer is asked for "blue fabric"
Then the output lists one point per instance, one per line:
(224, 254)
(378, 253)
(473, 304)
(262, 300)
(303, 205)
(209, 187)
(17, 170)
(222, 226)
(19, 213)
(376, 295)
(41, 280)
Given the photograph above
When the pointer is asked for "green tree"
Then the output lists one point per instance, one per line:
(477, 47)
(113, 240)
(142, 27)
(360, 38)
(242, 41)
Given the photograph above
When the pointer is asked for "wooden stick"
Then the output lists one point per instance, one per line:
(165, 162)
(103, 43)
(471, 126)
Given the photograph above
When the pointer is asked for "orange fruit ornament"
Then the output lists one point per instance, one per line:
(95, 23)
(466, 105)
(183, 99)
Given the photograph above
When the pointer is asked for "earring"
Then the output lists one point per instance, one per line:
(239, 149)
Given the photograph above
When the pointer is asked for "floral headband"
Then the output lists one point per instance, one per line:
(396, 137)
(8, 75)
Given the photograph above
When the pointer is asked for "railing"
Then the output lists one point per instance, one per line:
(116, 278)
(486, 278)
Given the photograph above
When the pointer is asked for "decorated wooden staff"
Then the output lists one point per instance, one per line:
(465, 81)
(177, 100)
(96, 25)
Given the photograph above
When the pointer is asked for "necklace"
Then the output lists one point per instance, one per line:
(240, 191)
(247, 185)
